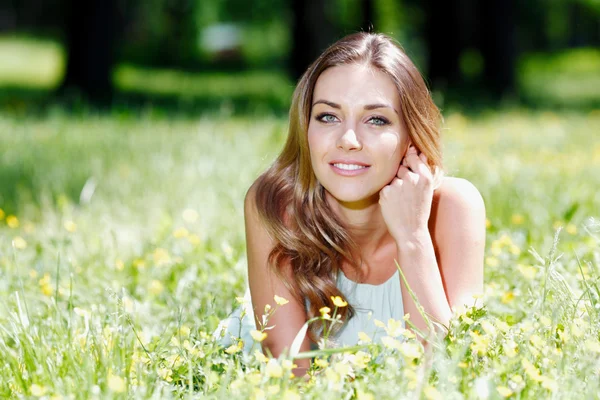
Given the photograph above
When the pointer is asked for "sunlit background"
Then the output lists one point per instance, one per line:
(246, 55)
(130, 131)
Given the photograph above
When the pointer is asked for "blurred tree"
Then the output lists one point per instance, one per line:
(368, 15)
(462, 33)
(497, 45)
(312, 31)
(89, 47)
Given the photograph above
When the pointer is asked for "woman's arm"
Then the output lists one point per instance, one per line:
(457, 227)
(265, 284)
(457, 219)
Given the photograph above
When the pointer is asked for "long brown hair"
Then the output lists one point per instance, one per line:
(290, 200)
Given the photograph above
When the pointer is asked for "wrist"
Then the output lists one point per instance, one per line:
(413, 238)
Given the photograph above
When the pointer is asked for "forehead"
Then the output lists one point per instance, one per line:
(356, 84)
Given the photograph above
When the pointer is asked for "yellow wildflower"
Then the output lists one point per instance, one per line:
(408, 334)
(2, 214)
(557, 224)
(394, 328)
(432, 393)
(363, 337)
(189, 215)
(273, 369)
(343, 369)
(510, 348)
(116, 383)
(492, 261)
(515, 250)
(536, 341)
(592, 345)
(280, 300)
(258, 336)
(234, 348)
(70, 226)
(360, 395)
(180, 233)
(258, 394)
(390, 342)
(37, 390)
(19, 243)
(291, 395)
(528, 271)
(531, 370)
(488, 328)
(12, 221)
(161, 256)
(260, 357)
(504, 391)
(488, 223)
(156, 287)
(480, 343)
(321, 363)
(571, 229)
(194, 239)
(507, 297)
(184, 330)
(273, 389)
(45, 285)
(517, 219)
(360, 359)
(410, 350)
(549, 384)
(288, 364)
(338, 301)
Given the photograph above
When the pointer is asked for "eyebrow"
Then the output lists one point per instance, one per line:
(367, 107)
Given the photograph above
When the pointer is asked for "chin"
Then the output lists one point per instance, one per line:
(353, 197)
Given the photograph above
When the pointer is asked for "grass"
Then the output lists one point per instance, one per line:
(121, 248)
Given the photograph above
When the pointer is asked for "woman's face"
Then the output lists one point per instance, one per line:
(356, 134)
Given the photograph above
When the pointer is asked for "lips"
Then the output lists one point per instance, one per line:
(349, 167)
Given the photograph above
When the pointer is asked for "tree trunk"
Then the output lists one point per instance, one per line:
(498, 45)
(89, 44)
(443, 43)
(312, 32)
(368, 16)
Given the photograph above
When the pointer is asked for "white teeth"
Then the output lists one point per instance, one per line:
(349, 167)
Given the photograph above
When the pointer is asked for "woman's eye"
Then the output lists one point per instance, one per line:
(379, 121)
(327, 118)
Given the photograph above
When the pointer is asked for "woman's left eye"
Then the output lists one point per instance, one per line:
(379, 121)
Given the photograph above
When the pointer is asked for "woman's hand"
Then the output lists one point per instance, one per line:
(406, 201)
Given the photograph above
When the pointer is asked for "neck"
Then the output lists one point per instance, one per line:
(364, 221)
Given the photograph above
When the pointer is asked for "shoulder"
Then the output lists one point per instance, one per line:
(457, 208)
(457, 193)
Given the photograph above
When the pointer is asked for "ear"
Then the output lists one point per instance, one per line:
(410, 143)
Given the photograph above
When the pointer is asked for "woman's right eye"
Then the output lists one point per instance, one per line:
(327, 118)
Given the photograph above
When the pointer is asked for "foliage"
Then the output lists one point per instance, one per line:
(121, 248)
(569, 78)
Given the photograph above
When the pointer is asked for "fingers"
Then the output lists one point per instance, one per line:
(417, 163)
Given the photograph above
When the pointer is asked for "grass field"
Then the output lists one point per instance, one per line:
(121, 248)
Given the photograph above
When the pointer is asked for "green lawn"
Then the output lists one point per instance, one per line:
(121, 248)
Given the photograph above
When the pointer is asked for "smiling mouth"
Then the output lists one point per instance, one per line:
(349, 167)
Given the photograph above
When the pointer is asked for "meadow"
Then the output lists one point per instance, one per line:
(122, 247)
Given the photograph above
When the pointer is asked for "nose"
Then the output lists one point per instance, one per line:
(349, 141)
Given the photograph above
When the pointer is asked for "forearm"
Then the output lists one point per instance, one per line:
(416, 258)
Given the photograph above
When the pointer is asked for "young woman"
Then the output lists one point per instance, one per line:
(357, 190)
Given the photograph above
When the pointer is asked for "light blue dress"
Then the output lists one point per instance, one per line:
(370, 302)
